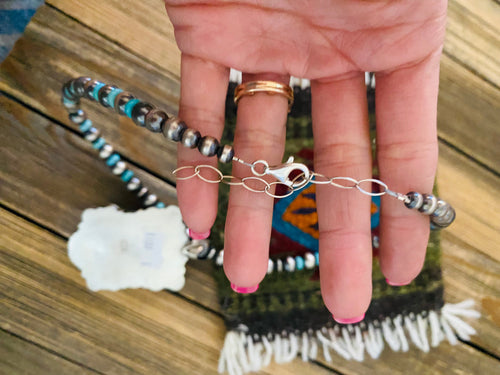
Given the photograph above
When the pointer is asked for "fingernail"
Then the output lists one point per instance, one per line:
(243, 289)
(396, 284)
(198, 236)
(350, 320)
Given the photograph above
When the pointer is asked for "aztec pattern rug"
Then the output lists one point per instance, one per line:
(286, 317)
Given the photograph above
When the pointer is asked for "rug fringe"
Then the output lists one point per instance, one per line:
(243, 353)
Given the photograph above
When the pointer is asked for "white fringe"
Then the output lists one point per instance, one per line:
(241, 354)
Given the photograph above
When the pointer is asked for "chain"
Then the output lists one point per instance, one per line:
(290, 186)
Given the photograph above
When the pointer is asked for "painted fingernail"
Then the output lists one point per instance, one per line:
(198, 236)
(350, 320)
(243, 289)
(396, 284)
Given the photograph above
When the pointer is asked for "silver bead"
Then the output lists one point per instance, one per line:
(150, 199)
(225, 153)
(290, 264)
(443, 216)
(429, 205)
(375, 242)
(119, 168)
(174, 128)
(121, 101)
(155, 120)
(78, 117)
(134, 184)
(279, 265)
(270, 266)
(106, 151)
(208, 146)
(220, 258)
(92, 134)
(78, 85)
(191, 138)
(309, 260)
(103, 95)
(142, 192)
(140, 111)
(415, 200)
(89, 89)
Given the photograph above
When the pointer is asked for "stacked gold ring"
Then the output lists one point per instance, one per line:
(269, 87)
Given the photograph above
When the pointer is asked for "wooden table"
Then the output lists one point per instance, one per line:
(51, 324)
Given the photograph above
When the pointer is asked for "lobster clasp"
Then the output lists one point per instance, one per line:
(283, 171)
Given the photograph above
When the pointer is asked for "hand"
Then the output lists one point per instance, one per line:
(332, 43)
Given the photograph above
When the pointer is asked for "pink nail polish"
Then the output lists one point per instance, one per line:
(349, 320)
(396, 284)
(244, 290)
(198, 236)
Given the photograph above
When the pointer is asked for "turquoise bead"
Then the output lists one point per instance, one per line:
(96, 90)
(85, 126)
(127, 175)
(98, 143)
(160, 205)
(69, 101)
(112, 96)
(316, 256)
(299, 263)
(129, 106)
(112, 160)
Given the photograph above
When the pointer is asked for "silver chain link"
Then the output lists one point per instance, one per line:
(282, 174)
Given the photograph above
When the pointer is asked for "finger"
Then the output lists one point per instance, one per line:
(260, 134)
(342, 148)
(406, 101)
(202, 107)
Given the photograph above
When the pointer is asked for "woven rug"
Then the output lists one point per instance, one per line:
(286, 317)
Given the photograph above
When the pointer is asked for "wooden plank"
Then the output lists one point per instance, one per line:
(19, 357)
(126, 332)
(472, 40)
(468, 112)
(55, 48)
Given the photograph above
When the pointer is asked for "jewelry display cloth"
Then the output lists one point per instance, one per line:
(286, 317)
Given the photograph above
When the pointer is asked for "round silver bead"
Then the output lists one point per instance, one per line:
(119, 168)
(142, 192)
(415, 200)
(225, 153)
(219, 260)
(103, 95)
(208, 146)
(290, 264)
(89, 89)
(279, 265)
(309, 260)
(270, 266)
(106, 151)
(140, 111)
(78, 85)
(174, 128)
(121, 101)
(429, 205)
(155, 120)
(78, 117)
(150, 199)
(134, 184)
(92, 134)
(444, 215)
(190, 138)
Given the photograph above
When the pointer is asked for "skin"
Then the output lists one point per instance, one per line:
(332, 43)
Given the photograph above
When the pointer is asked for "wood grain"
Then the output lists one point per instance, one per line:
(19, 357)
(129, 332)
(55, 49)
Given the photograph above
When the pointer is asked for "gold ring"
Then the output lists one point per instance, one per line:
(269, 87)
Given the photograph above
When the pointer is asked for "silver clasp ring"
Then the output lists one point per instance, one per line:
(282, 173)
